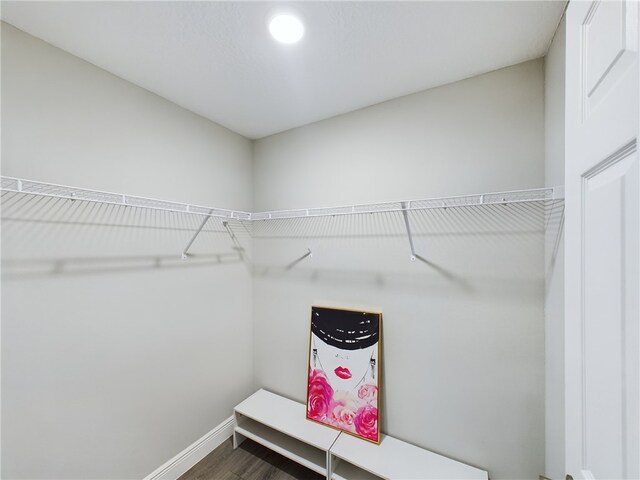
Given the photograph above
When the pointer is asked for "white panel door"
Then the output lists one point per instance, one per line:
(602, 338)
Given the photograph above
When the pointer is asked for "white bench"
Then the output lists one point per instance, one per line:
(281, 425)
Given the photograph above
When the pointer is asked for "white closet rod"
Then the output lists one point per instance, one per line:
(16, 185)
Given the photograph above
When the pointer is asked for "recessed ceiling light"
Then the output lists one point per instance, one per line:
(286, 28)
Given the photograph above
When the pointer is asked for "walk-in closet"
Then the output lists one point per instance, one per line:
(306, 240)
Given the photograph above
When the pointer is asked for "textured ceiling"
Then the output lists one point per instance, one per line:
(218, 60)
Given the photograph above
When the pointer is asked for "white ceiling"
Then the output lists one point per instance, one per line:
(217, 58)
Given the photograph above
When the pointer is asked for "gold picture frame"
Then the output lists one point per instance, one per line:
(343, 381)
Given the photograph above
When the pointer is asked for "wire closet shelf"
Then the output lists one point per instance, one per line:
(518, 210)
(52, 190)
(30, 187)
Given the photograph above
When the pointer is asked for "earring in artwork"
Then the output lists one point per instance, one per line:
(315, 357)
(372, 362)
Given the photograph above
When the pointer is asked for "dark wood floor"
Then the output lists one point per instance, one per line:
(250, 461)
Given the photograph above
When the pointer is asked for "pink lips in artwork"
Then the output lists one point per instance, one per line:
(343, 373)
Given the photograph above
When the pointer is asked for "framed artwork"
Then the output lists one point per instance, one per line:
(344, 371)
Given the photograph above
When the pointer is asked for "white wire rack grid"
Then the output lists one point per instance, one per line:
(11, 184)
(16, 185)
(495, 198)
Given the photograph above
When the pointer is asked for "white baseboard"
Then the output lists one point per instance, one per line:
(178, 465)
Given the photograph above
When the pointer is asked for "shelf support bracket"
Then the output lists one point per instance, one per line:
(298, 260)
(558, 237)
(405, 206)
(236, 243)
(414, 256)
(185, 252)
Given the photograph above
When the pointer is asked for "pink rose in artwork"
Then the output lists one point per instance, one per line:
(319, 396)
(343, 410)
(368, 393)
(366, 422)
(344, 417)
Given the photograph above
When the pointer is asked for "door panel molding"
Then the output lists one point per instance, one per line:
(608, 45)
(609, 233)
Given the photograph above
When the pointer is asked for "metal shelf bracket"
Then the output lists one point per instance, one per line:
(185, 252)
(236, 243)
(405, 207)
(298, 260)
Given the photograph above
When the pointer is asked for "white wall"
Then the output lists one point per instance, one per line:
(463, 354)
(554, 259)
(111, 365)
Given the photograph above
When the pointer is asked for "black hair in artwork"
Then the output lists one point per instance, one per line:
(345, 329)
